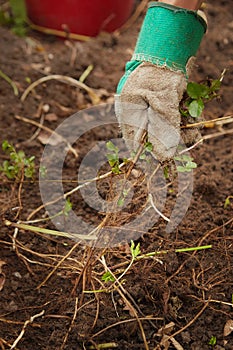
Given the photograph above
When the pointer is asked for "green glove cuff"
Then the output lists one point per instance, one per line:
(129, 68)
(169, 36)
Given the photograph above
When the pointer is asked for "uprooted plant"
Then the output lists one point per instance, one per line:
(111, 278)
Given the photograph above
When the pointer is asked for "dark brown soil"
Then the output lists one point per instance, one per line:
(46, 277)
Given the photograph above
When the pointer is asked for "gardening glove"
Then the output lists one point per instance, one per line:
(149, 93)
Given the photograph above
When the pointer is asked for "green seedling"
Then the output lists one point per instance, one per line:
(197, 95)
(186, 163)
(108, 277)
(18, 165)
(228, 201)
(135, 250)
(121, 200)
(16, 17)
(213, 341)
(148, 148)
(113, 157)
(67, 207)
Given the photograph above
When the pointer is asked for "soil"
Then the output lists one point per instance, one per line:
(52, 295)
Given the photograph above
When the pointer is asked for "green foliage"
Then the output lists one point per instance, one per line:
(213, 341)
(121, 200)
(113, 157)
(67, 207)
(18, 164)
(108, 277)
(16, 17)
(135, 251)
(148, 148)
(197, 95)
(228, 202)
(186, 163)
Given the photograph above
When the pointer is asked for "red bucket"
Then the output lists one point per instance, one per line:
(83, 17)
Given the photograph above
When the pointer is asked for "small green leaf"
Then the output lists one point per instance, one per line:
(111, 147)
(108, 277)
(6, 146)
(116, 169)
(195, 108)
(121, 201)
(142, 156)
(227, 201)
(197, 91)
(135, 251)
(68, 207)
(148, 147)
(213, 341)
(182, 169)
(191, 165)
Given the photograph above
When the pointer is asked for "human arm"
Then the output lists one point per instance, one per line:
(188, 4)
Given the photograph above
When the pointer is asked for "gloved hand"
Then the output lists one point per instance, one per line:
(149, 93)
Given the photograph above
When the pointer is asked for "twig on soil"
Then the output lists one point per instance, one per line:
(9, 81)
(60, 33)
(64, 79)
(41, 116)
(156, 209)
(32, 318)
(209, 233)
(48, 231)
(85, 74)
(41, 126)
(190, 322)
(103, 346)
(4, 342)
(218, 302)
(147, 318)
(208, 123)
(71, 324)
(218, 134)
(59, 263)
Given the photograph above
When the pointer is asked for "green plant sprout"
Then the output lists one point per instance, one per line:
(113, 157)
(135, 250)
(227, 202)
(135, 256)
(67, 207)
(108, 277)
(197, 95)
(16, 17)
(186, 163)
(148, 148)
(121, 200)
(18, 165)
(213, 341)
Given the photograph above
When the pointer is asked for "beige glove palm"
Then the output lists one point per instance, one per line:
(149, 101)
